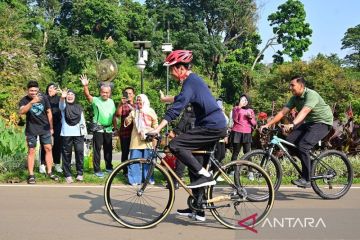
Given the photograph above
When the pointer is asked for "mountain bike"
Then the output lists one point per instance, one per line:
(229, 201)
(331, 170)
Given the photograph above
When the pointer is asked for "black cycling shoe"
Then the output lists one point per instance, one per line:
(301, 183)
(202, 182)
(198, 215)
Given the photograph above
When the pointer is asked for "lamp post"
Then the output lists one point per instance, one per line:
(166, 48)
(141, 66)
(142, 46)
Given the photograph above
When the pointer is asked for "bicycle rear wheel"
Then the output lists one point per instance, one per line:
(332, 173)
(134, 208)
(234, 208)
(268, 162)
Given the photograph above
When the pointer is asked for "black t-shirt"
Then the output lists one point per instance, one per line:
(37, 122)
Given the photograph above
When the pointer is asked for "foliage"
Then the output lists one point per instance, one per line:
(352, 40)
(337, 86)
(18, 62)
(12, 147)
(291, 29)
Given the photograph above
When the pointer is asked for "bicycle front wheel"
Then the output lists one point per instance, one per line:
(232, 203)
(268, 162)
(134, 207)
(332, 174)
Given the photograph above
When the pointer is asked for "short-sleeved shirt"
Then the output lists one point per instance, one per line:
(37, 121)
(103, 112)
(320, 111)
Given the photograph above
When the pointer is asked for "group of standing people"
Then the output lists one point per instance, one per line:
(59, 124)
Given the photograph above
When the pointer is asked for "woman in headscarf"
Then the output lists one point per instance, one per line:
(51, 94)
(144, 119)
(73, 131)
(244, 120)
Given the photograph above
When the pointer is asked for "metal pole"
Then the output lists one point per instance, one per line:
(167, 84)
(142, 81)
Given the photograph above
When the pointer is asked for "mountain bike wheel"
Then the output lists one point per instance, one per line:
(134, 208)
(233, 207)
(332, 173)
(268, 162)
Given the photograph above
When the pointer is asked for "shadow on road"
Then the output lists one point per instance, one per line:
(97, 207)
(287, 195)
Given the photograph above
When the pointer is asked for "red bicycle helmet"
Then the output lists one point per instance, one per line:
(178, 56)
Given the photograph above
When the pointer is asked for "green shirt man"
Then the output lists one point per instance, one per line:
(104, 111)
(312, 123)
(320, 111)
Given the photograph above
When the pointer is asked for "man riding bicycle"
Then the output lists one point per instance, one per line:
(313, 123)
(210, 123)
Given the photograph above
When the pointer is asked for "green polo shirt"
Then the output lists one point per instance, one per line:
(103, 112)
(320, 111)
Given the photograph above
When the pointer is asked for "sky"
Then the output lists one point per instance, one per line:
(329, 20)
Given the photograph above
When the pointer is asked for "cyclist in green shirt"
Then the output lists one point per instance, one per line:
(104, 110)
(313, 123)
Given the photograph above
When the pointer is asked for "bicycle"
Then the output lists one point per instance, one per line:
(331, 170)
(146, 205)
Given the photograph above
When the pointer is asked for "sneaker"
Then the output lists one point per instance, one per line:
(199, 215)
(301, 183)
(58, 168)
(202, 182)
(135, 184)
(152, 182)
(185, 212)
(99, 174)
(69, 180)
(80, 178)
(31, 179)
(108, 170)
(53, 177)
(42, 169)
(251, 176)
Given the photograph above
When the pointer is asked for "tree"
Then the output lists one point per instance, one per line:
(18, 61)
(210, 28)
(291, 29)
(352, 40)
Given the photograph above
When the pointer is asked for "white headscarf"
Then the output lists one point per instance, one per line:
(140, 114)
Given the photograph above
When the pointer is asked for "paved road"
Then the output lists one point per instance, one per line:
(53, 212)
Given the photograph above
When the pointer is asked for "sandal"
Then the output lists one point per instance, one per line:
(53, 177)
(31, 179)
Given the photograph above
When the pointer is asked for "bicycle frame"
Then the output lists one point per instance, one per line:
(279, 142)
(153, 160)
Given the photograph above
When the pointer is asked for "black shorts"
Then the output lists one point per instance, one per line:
(44, 139)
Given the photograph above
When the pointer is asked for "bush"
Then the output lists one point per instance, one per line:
(12, 147)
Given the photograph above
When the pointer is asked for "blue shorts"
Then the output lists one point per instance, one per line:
(44, 139)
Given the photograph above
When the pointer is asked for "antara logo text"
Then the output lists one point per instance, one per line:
(292, 222)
